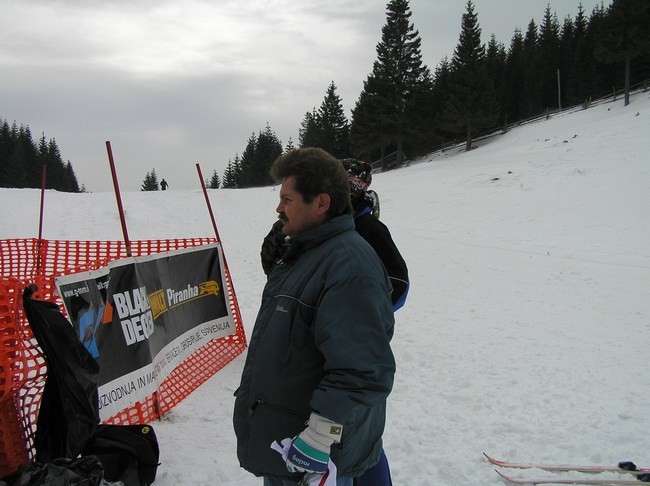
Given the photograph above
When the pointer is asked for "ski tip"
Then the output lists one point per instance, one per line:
(503, 476)
(492, 459)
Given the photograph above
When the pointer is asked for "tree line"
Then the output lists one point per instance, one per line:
(22, 161)
(405, 108)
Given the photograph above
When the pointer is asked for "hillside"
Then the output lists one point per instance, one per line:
(526, 330)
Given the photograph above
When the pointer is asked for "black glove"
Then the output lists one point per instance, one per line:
(272, 247)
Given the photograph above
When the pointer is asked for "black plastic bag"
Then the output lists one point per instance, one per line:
(85, 471)
(69, 411)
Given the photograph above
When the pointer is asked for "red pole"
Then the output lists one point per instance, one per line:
(116, 187)
(40, 220)
(207, 202)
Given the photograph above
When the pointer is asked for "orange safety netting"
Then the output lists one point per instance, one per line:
(22, 366)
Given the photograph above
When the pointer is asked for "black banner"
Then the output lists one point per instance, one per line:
(141, 317)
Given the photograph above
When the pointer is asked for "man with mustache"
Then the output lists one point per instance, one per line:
(319, 366)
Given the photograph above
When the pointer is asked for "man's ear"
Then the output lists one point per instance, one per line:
(323, 205)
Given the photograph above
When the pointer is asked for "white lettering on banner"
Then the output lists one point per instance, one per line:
(175, 297)
(138, 328)
(132, 302)
(134, 311)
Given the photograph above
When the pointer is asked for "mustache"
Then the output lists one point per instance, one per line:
(282, 217)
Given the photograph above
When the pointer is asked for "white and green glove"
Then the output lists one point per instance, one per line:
(310, 450)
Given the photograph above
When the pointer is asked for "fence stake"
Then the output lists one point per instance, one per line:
(116, 187)
(40, 221)
(207, 202)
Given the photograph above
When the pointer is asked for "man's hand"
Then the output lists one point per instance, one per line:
(310, 450)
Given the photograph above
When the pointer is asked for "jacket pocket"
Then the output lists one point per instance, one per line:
(269, 423)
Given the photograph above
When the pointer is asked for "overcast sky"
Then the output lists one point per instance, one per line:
(171, 84)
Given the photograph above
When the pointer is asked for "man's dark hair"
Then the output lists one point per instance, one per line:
(315, 172)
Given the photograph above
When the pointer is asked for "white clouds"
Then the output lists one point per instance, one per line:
(192, 80)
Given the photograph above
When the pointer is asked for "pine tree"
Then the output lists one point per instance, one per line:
(214, 182)
(229, 177)
(442, 78)
(495, 62)
(71, 184)
(268, 149)
(257, 158)
(385, 112)
(602, 76)
(550, 59)
(514, 78)
(626, 36)
(309, 133)
(531, 101)
(6, 149)
(247, 163)
(472, 105)
(150, 182)
(371, 129)
(579, 62)
(22, 161)
(334, 126)
(289, 147)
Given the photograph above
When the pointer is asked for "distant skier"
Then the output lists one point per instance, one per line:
(164, 185)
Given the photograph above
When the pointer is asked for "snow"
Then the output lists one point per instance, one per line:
(526, 331)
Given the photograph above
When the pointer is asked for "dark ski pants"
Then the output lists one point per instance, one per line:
(377, 475)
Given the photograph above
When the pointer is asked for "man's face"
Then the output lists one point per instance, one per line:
(298, 215)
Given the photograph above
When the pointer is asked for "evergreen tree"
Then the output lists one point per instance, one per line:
(472, 105)
(495, 63)
(6, 149)
(371, 129)
(333, 125)
(229, 178)
(268, 149)
(150, 182)
(327, 128)
(309, 133)
(626, 36)
(214, 182)
(602, 76)
(579, 62)
(257, 158)
(385, 112)
(531, 102)
(71, 184)
(514, 78)
(441, 88)
(247, 163)
(289, 147)
(22, 161)
(550, 59)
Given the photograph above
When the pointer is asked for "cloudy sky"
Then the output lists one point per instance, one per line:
(171, 84)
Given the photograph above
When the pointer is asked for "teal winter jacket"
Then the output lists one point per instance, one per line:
(321, 343)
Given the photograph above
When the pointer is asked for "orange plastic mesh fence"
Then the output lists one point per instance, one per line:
(22, 366)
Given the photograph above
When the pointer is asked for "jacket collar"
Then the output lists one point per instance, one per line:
(294, 246)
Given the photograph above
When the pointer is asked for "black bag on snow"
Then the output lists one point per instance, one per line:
(129, 453)
(85, 471)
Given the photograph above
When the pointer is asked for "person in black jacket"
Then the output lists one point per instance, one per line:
(365, 203)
